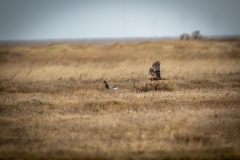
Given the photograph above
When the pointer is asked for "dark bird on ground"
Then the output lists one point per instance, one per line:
(109, 87)
(154, 72)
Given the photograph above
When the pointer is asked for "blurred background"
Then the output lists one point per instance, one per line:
(79, 19)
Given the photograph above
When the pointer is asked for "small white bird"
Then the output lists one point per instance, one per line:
(109, 87)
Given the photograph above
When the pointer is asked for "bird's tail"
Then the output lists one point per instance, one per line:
(165, 79)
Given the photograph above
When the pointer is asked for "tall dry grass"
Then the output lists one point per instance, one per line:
(53, 104)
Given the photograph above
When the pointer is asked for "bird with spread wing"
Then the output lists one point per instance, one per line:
(154, 72)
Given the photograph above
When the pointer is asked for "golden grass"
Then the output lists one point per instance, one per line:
(53, 104)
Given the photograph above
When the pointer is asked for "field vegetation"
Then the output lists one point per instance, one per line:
(53, 103)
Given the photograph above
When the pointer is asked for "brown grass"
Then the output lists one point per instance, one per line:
(53, 104)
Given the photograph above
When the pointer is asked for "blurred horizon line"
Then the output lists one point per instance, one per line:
(103, 40)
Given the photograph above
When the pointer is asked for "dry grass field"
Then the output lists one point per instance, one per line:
(53, 104)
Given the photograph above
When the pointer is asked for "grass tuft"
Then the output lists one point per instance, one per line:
(155, 86)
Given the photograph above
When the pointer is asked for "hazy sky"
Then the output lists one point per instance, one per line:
(53, 19)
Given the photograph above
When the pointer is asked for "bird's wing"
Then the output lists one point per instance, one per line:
(113, 87)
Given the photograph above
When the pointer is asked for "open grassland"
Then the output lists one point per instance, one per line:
(53, 104)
